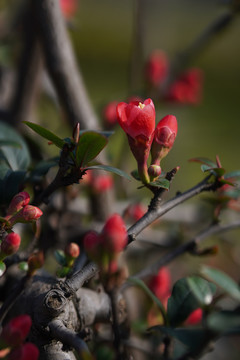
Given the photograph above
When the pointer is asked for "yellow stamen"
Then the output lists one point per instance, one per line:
(141, 105)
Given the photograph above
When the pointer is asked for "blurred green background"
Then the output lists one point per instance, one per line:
(102, 38)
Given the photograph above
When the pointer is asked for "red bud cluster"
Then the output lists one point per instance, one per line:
(138, 121)
(104, 248)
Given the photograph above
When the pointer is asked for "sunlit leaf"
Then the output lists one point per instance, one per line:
(107, 134)
(161, 183)
(109, 169)
(221, 279)
(202, 289)
(46, 134)
(217, 171)
(60, 257)
(89, 146)
(203, 160)
(2, 268)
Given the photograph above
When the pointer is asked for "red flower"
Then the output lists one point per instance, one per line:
(10, 244)
(188, 88)
(156, 69)
(16, 331)
(68, 7)
(92, 245)
(27, 351)
(164, 136)
(138, 121)
(114, 235)
(110, 113)
(19, 200)
(160, 284)
(195, 317)
(134, 212)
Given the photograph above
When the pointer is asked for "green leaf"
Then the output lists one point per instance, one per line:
(232, 174)
(203, 160)
(63, 271)
(107, 134)
(143, 286)
(23, 266)
(10, 143)
(224, 321)
(10, 185)
(89, 146)
(194, 339)
(14, 158)
(161, 183)
(2, 268)
(60, 257)
(43, 167)
(215, 170)
(202, 289)
(46, 134)
(135, 175)
(221, 279)
(187, 297)
(110, 169)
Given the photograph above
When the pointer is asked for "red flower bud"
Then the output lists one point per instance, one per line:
(110, 113)
(10, 244)
(188, 88)
(92, 245)
(27, 351)
(154, 171)
(156, 68)
(35, 261)
(138, 122)
(72, 250)
(114, 235)
(164, 136)
(160, 284)
(195, 317)
(31, 213)
(19, 200)
(16, 331)
(68, 7)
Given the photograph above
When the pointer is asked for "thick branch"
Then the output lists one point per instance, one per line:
(82, 276)
(68, 337)
(62, 65)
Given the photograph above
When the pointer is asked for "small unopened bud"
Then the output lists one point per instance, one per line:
(10, 245)
(27, 351)
(16, 331)
(72, 250)
(35, 261)
(114, 235)
(76, 132)
(27, 214)
(19, 200)
(154, 171)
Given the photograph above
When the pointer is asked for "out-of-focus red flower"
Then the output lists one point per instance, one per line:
(187, 89)
(195, 317)
(27, 351)
(68, 7)
(110, 113)
(156, 68)
(92, 245)
(72, 250)
(10, 244)
(160, 284)
(114, 235)
(19, 200)
(138, 122)
(35, 262)
(16, 330)
(134, 212)
(101, 183)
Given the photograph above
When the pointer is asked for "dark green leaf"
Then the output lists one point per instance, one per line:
(89, 146)
(110, 169)
(143, 286)
(14, 158)
(2, 268)
(221, 279)
(215, 170)
(202, 289)
(194, 339)
(60, 257)
(43, 167)
(161, 183)
(107, 134)
(46, 134)
(232, 174)
(135, 175)
(203, 160)
(10, 185)
(224, 321)
(183, 301)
